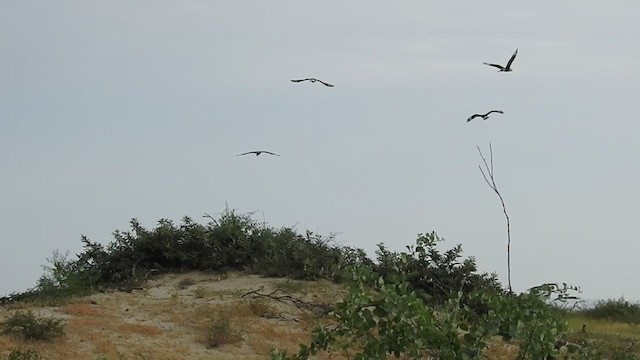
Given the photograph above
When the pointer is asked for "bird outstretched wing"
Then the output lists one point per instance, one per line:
(313, 80)
(473, 117)
(258, 152)
(496, 65)
(269, 152)
(512, 58)
(494, 111)
(325, 84)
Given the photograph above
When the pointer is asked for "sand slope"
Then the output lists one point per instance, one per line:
(181, 316)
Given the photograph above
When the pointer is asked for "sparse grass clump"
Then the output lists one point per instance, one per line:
(200, 292)
(32, 327)
(291, 286)
(218, 331)
(20, 354)
(260, 307)
(185, 283)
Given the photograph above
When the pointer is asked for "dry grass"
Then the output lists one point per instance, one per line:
(267, 336)
(293, 286)
(172, 319)
(168, 320)
(499, 350)
(146, 330)
(603, 327)
(80, 309)
(615, 340)
(185, 283)
(205, 317)
(218, 331)
(200, 292)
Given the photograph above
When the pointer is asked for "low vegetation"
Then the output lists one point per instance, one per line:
(32, 327)
(22, 354)
(218, 331)
(233, 242)
(386, 315)
(619, 310)
(414, 304)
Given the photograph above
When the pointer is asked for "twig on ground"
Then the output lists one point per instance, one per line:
(283, 296)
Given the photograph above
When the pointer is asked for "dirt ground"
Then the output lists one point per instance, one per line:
(182, 316)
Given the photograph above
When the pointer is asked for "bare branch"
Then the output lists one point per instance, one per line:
(286, 297)
(490, 180)
(209, 216)
(491, 157)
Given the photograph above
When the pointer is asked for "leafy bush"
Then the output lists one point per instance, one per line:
(528, 318)
(232, 242)
(61, 279)
(30, 326)
(378, 319)
(434, 275)
(616, 310)
(308, 257)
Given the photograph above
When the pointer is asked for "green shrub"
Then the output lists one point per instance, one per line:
(61, 279)
(433, 274)
(619, 310)
(379, 318)
(232, 242)
(307, 257)
(528, 318)
(30, 326)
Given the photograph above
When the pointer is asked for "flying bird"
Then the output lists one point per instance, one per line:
(313, 80)
(484, 116)
(258, 152)
(505, 68)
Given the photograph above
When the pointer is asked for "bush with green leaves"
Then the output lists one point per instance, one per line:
(30, 326)
(620, 310)
(432, 273)
(529, 319)
(380, 317)
(308, 257)
(238, 242)
(232, 242)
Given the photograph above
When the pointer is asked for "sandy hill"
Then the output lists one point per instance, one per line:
(184, 316)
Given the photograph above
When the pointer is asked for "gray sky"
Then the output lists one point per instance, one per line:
(122, 109)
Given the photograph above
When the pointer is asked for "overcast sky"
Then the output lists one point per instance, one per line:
(112, 110)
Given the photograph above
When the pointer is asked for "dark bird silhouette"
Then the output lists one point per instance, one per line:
(484, 116)
(258, 152)
(313, 80)
(505, 68)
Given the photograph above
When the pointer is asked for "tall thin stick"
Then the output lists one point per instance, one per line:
(490, 180)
